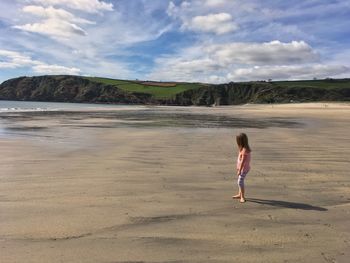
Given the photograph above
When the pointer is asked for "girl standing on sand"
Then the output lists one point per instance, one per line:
(243, 164)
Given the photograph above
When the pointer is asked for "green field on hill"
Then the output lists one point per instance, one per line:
(160, 90)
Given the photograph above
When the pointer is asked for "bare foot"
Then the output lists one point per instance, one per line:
(236, 196)
(242, 200)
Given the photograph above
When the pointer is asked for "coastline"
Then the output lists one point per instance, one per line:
(90, 187)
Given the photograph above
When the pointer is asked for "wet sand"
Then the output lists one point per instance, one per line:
(155, 185)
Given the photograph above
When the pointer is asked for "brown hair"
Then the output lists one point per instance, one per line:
(242, 142)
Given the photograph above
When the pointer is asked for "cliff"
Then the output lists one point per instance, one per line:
(259, 92)
(67, 89)
(80, 89)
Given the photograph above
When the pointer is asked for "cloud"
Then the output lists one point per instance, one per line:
(53, 28)
(90, 6)
(55, 22)
(12, 59)
(181, 69)
(209, 58)
(244, 61)
(55, 70)
(54, 13)
(221, 23)
(215, 3)
(274, 52)
(187, 12)
(288, 72)
(178, 11)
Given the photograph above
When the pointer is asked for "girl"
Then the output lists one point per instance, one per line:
(243, 164)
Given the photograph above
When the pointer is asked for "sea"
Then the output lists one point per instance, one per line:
(23, 106)
(31, 119)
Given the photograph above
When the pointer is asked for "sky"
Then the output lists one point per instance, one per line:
(212, 41)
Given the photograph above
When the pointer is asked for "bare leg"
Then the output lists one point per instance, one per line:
(239, 195)
(242, 198)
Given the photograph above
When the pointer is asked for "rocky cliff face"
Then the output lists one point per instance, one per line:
(258, 92)
(79, 89)
(67, 89)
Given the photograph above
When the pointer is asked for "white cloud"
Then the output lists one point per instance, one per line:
(172, 10)
(219, 24)
(188, 13)
(178, 11)
(220, 56)
(244, 61)
(214, 3)
(57, 13)
(181, 69)
(55, 70)
(215, 79)
(12, 59)
(105, 68)
(53, 28)
(287, 72)
(90, 6)
(56, 23)
(274, 52)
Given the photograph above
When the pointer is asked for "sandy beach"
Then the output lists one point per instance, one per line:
(155, 184)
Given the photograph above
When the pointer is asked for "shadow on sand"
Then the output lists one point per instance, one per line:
(286, 204)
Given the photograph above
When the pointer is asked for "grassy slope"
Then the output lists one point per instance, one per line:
(157, 91)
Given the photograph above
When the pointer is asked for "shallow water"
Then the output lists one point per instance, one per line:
(23, 106)
(48, 122)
